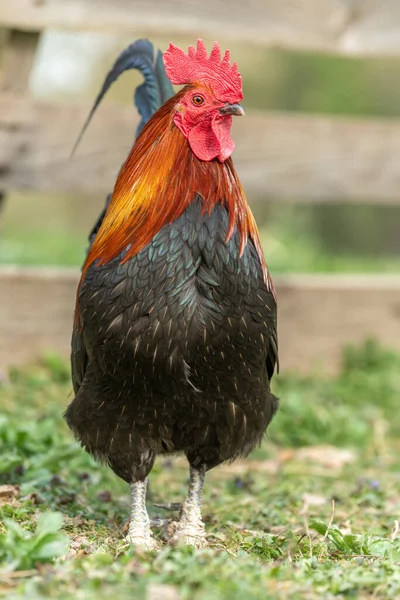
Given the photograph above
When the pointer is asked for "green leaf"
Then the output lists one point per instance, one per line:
(49, 522)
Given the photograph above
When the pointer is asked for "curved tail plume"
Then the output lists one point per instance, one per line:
(149, 96)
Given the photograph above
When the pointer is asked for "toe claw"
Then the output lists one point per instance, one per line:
(191, 534)
(141, 538)
(142, 542)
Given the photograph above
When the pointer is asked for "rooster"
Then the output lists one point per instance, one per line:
(174, 341)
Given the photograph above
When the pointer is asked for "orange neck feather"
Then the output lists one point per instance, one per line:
(159, 179)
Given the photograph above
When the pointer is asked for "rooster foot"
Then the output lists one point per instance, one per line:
(190, 527)
(141, 539)
(191, 533)
(139, 532)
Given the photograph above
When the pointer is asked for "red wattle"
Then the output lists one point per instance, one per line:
(203, 141)
(222, 129)
(210, 138)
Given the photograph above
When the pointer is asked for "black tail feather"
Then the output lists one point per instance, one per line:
(149, 96)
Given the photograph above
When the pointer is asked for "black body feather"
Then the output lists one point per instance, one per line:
(176, 351)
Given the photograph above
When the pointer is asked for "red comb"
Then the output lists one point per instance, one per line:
(196, 66)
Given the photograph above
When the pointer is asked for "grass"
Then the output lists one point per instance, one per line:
(312, 513)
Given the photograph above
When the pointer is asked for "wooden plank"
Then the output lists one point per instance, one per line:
(279, 156)
(343, 26)
(17, 61)
(317, 315)
(17, 58)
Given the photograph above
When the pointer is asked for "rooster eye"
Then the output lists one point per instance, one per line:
(198, 100)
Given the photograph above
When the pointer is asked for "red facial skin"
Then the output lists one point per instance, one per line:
(206, 129)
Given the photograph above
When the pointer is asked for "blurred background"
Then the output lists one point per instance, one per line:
(318, 153)
(314, 513)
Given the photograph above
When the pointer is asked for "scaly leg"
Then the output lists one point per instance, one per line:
(139, 533)
(190, 528)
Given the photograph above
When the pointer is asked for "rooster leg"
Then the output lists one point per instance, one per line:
(139, 533)
(190, 528)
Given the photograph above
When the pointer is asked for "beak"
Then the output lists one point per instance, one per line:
(232, 109)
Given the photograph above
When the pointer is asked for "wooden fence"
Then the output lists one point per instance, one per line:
(279, 156)
(361, 27)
